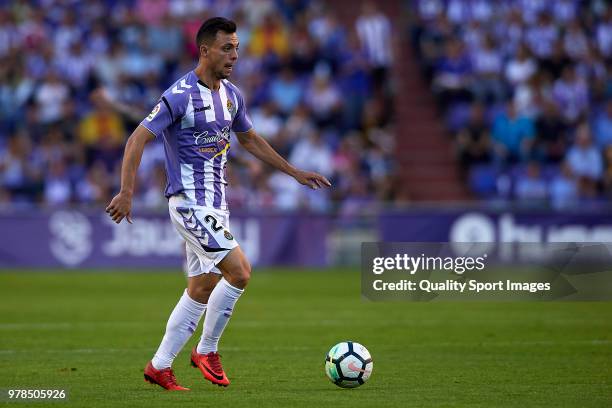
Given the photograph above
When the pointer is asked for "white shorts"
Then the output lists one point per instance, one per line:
(206, 233)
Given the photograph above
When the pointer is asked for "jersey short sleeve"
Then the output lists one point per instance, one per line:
(242, 121)
(168, 109)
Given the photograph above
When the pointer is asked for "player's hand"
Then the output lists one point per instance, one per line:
(120, 207)
(311, 179)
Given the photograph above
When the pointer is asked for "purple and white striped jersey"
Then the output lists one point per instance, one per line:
(195, 124)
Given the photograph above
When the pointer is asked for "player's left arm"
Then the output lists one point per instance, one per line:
(260, 148)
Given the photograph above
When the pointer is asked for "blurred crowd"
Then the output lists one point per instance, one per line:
(77, 76)
(525, 87)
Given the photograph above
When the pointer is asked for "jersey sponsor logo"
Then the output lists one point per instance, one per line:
(222, 138)
(203, 138)
(154, 112)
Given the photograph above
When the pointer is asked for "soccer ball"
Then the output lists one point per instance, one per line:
(348, 364)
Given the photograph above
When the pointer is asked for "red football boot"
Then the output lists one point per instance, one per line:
(210, 365)
(164, 378)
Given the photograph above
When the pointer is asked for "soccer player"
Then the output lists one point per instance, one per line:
(194, 118)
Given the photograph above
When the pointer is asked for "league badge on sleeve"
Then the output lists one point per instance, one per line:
(154, 112)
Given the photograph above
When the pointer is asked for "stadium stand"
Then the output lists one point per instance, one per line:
(77, 78)
(524, 88)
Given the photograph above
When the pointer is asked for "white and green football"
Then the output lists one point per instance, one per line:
(348, 364)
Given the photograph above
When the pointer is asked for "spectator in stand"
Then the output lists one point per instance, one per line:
(50, 97)
(16, 89)
(487, 62)
(17, 174)
(77, 101)
(165, 37)
(354, 83)
(67, 34)
(593, 69)
(521, 68)
(575, 41)
(512, 136)
(314, 154)
(267, 120)
(58, 190)
(323, 98)
(151, 12)
(94, 187)
(556, 57)
(603, 127)
(103, 134)
(453, 77)
(509, 30)
(286, 91)
(270, 40)
(603, 34)
(380, 171)
(357, 199)
(551, 140)
(374, 30)
(556, 62)
(542, 36)
(300, 123)
(346, 162)
(528, 97)
(571, 94)
(473, 140)
(432, 42)
(585, 161)
(530, 187)
(101, 126)
(9, 36)
(75, 66)
(607, 176)
(564, 189)
(565, 11)
(153, 195)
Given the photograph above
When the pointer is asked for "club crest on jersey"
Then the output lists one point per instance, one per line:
(227, 235)
(231, 108)
(154, 112)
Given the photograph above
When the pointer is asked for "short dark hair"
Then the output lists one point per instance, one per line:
(209, 29)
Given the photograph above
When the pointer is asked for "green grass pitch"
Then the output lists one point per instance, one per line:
(92, 334)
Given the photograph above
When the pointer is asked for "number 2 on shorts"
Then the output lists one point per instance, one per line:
(209, 219)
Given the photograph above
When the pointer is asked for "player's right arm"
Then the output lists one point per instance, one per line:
(121, 205)
(170, 106)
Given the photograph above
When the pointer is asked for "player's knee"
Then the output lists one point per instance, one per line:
(242, 275)
(200, 293)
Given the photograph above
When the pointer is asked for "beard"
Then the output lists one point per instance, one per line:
(221, 74)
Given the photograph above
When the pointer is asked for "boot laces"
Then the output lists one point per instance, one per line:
(214, 362)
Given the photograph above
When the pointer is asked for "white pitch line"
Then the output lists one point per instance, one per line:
(69, 325)
(596, 342)
(262, 323)
(148, 349)
(77, 325)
